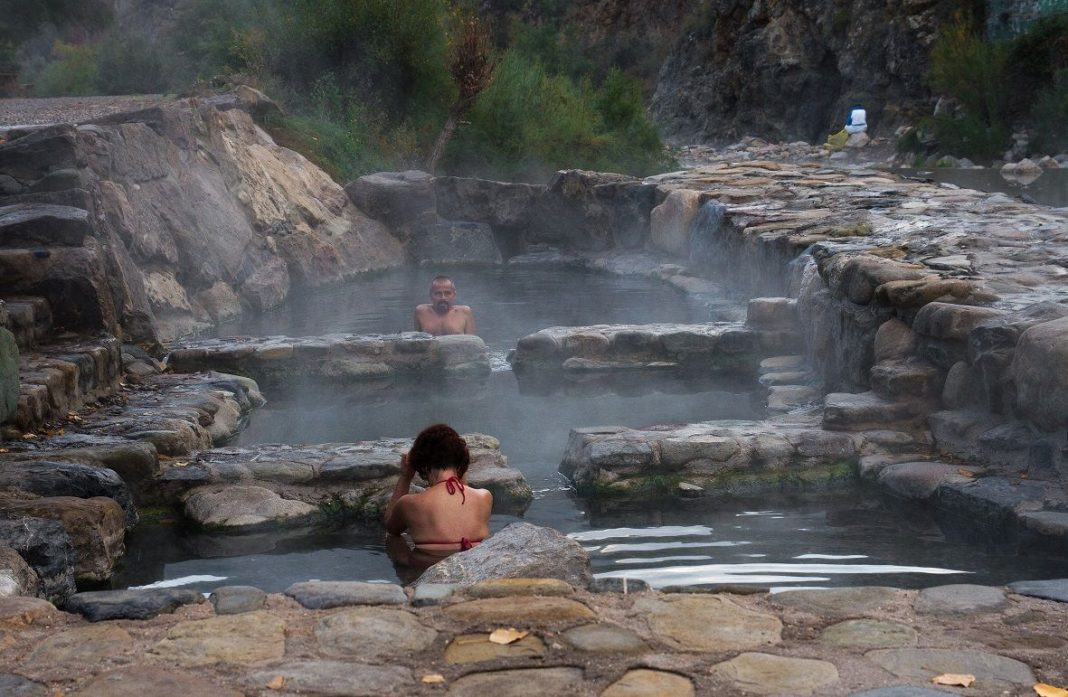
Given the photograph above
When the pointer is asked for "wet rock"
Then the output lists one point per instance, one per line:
(551, 682)
(926, 663)
(960, 598)
(16, 576)
(1050, 524)
(766, 674)
(620, 584)
(842, 602)
(950, 321)
(319, 595)
(336, 679)
(531, 610)
(592, 211)
(783, 398)
(142, 604)
(1040, 374)
(1052, 589)
(669, 223)
(707, 623)
(242, 506)
(372, 633)
(234, 600)
(504, 587)
(867, 411)
(135, 463)
(141, 680)
(920, 480)
(475, 648)
(519, 550)
(398, 199)
(906, 379)
(856, 277)
(869, 634)
(454, 242)
(96, 526)
(500, 204)
(241, 639)
(80, 648)
(45, 478)
(426, 594)
(642, 682)
(47, 548)
(38, 224)
(604, 638)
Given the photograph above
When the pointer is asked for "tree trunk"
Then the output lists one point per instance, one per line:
(444, 137)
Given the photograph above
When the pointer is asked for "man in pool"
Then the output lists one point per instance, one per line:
(442, 315)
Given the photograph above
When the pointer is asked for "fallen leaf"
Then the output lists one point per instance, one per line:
(955, 679)
(277, 683)
(1044, 690)
(507, 636)
(4, 450)
(433, 678)
(965, 473)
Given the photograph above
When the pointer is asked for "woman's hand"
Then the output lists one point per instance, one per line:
(407, 471)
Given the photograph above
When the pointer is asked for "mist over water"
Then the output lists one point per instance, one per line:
(779, 540)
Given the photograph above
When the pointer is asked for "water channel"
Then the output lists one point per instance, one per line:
(781, 539)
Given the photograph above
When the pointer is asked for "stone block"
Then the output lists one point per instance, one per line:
(772, 313)
(47, 548)
(139, 604)
(894, 340)
(45, 478)
(867, 411)
(43, 225)
(906, 379)
(500, 204)
(96, 526)
(319, 595)
(397, 199)
(669, 223)
(939, 320)
(454, 242)
(1040, 374)
(242, 506)
(920, 480)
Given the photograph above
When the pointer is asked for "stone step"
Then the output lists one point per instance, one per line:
(33, 225)
(867, 411)
(772, 313)
(63, 377)
(30, 320)
(906, 379)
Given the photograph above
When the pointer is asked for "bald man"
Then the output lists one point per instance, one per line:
(442, 315)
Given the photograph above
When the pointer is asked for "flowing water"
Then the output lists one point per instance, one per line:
(779, 540)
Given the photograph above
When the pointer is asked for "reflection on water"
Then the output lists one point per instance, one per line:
(776, 540)
(1049, 189)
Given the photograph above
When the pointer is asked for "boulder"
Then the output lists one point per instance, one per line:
(16, 576)
(9, 376)
(453, 242)
(241, 506)
(520, 550)
(500, 204)
(47, 548)
(45, 478)
(894, 339)
(950, 321)
(398, 199)
(582, 210)
(97, 529)
(39, 224)
(1040, 373)
(132, 604)
(669, 223)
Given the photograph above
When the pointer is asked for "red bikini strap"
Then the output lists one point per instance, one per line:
(452, 484)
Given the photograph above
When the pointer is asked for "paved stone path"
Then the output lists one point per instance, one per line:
(873, 641)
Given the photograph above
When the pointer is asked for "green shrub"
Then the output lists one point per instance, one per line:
(1051, 116)
(128, 65)
(73, 72)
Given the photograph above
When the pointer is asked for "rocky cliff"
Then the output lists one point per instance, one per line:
(156, 223)
(789, 70)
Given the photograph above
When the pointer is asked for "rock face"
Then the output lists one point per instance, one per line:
(16, 576)
(520, 550)
(788, 72)
(454, 243)
(172, 218)
(1040, 372)
(47, 548)
(45, 478)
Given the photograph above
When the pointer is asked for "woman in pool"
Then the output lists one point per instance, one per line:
(448, 516)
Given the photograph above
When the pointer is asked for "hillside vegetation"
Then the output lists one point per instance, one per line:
(365, 84)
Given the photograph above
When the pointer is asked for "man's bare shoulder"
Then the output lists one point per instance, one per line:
(424, 307)
(462, 309)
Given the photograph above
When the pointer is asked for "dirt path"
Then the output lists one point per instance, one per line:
(44, 111)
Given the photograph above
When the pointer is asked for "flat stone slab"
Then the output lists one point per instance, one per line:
(19, 611)
(869, 634)
(243, 506)
(961, 598)
(1052, 589)
(335, 357)
(604, 638)
(920, 480)
(926, 663)
(335, 679)
(521, 610)
(550, 682)
(475, 648)
(503, 587)
(143, 604)
(372, 632)
(85, 647)
(901, 691)
(650, 683)
(842, 602)
(707, 623)
(144, 680)
(241, 639)
(13, 685)
(234, 600)
(766, 674)
(320, 595)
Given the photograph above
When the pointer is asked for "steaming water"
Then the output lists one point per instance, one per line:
(774, 540)
(1049, 189)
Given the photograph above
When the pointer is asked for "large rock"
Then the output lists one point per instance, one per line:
(669, 223)
(45, 478)
(520, 550)
(241, 506)
(398, 199)
(9, 376)
(139, 604)
(16, 576)
(592, 211)
(97, 529)
(500, 204)
(47, 548)
(454, 242)
(37, 224)
(1040, 373)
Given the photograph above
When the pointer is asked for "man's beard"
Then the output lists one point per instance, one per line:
(441, 308)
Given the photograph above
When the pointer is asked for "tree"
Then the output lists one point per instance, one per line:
(472, 67)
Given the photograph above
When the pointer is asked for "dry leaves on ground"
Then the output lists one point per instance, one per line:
(507, 636)
(1044, 690)
(277, 683)
(954, 679)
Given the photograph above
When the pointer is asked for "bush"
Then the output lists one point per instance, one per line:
(73, 72)
(128, 65)
(1051, 116)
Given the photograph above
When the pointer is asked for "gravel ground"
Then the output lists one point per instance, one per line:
(45, 111)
